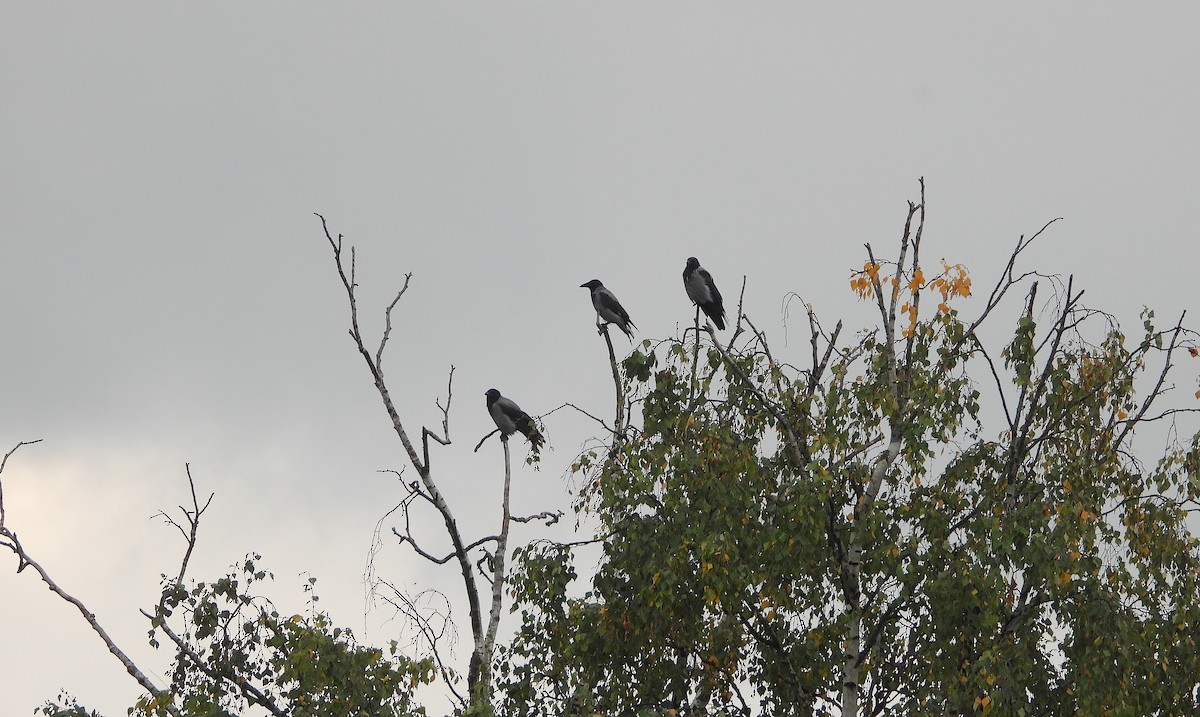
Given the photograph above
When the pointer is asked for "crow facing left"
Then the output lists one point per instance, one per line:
(510, 418)
(608, 308)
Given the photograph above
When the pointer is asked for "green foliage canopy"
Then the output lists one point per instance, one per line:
(783, 541)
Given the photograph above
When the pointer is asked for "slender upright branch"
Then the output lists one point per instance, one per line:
(4, 462)
(1158, 385)
(426, 434)
(1028, 401)
(619, 421)
(350, 284)
(485, 648)
(419, 461)
(693, 387)
(158, 619)
(192, 518)
(851, 560)
(387, 324)
(1007, 280)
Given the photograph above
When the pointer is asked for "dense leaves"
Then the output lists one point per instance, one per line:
(300, 663)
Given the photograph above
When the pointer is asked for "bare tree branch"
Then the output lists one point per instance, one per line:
(426, 434)
(431, 492)
(568, 404)
(1007, 280)
(9, 539)
(418, 616)
(549, 517)
(4, 462)
(387, 328)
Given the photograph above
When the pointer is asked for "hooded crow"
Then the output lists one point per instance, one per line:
(510, 418)
(608, 308)
(703, 292)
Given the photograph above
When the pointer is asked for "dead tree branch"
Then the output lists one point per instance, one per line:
(9, 539)
(479, 674)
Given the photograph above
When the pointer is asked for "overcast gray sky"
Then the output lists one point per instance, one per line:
(166, 295)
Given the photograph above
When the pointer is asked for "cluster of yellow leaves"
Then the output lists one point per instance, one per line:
(954, 282)
(861, 282)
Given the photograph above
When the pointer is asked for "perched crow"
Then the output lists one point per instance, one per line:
(608, 308)
(703, 292)
(510, 418)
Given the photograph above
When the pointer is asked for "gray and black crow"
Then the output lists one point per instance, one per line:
(510, 418)
(703, 292)
(608, 308)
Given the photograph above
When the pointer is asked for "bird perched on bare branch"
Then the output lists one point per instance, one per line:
(608, 308)
(510, 418)
(703, 292)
